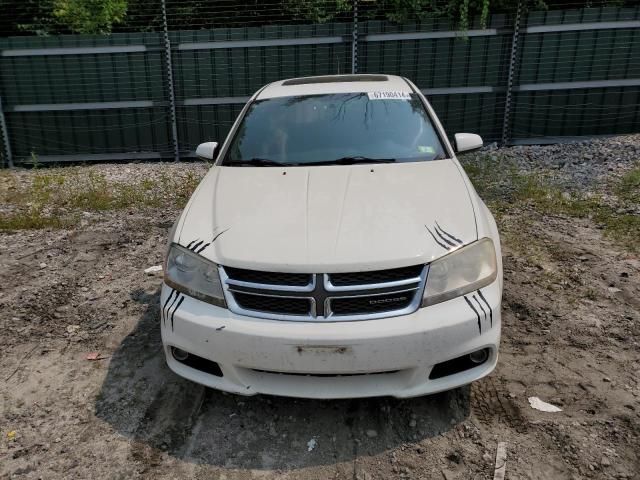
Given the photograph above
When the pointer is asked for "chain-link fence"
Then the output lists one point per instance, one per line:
(154, 79)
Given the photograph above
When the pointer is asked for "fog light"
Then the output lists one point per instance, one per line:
(178, 354)
(479, 356)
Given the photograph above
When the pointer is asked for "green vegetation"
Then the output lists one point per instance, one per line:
(33, 219)
(620, 223)
(52, 17)
(509, 191)
(90, 16)
(57, 198)
(629, 187)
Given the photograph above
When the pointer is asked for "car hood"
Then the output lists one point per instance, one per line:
(330, 218)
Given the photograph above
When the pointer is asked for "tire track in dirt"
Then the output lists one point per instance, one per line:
(491, 405)
(168, 422)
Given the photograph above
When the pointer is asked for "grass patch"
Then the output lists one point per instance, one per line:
(32, 220)
(628, 188)
(508, 190)
(623, 228)
(56, 199)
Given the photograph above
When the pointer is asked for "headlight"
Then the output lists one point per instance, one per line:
(460, 272)
(193, 275)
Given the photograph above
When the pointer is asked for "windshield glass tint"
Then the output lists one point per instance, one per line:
(310, 129)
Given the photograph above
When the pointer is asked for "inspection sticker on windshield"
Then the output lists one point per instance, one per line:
(426, 149)
(389, 95)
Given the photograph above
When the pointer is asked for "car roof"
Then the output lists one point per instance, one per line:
(334, 84)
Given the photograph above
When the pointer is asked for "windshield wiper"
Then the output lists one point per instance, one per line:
(265, 162)
(259, 162)
(354, 161)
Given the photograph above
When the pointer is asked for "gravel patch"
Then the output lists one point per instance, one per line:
(576, 165)
(114, 172)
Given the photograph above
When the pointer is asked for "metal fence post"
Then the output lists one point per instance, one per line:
(506, 121)
(4, 137)
(172, 97)
(354, 39)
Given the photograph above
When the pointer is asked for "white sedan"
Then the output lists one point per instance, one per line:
(336, 249)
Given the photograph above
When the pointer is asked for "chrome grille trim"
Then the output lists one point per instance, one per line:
(367, 286)
(236, 308)
(312, 302)
(270, 286)
(389, 313)
(320, 288)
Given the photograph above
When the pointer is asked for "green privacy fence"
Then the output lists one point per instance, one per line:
(540, 74)
(215, 71)
(582, 80)
(95, 96)
(463, 76)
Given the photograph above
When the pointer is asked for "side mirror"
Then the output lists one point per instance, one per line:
(206, 150)
(466, 142)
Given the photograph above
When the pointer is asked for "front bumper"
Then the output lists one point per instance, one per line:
(386, 357)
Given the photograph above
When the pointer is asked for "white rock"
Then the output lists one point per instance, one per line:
(73, 328)
(538, 404)
(311, 444)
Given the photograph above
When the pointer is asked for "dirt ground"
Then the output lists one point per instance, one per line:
(571, 332)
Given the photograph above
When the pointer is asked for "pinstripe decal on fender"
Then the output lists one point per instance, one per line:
(481, 307)
(488, 306)
(175, 309)
(474, 311)
(173, 302)
(166, 302)
(470, 302)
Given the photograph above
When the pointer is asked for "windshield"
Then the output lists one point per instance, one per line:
(340, 128)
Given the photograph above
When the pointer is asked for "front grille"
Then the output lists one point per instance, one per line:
(323, 297)
(376, 276)
(371, 304)
(268, 278)
(276, 305)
